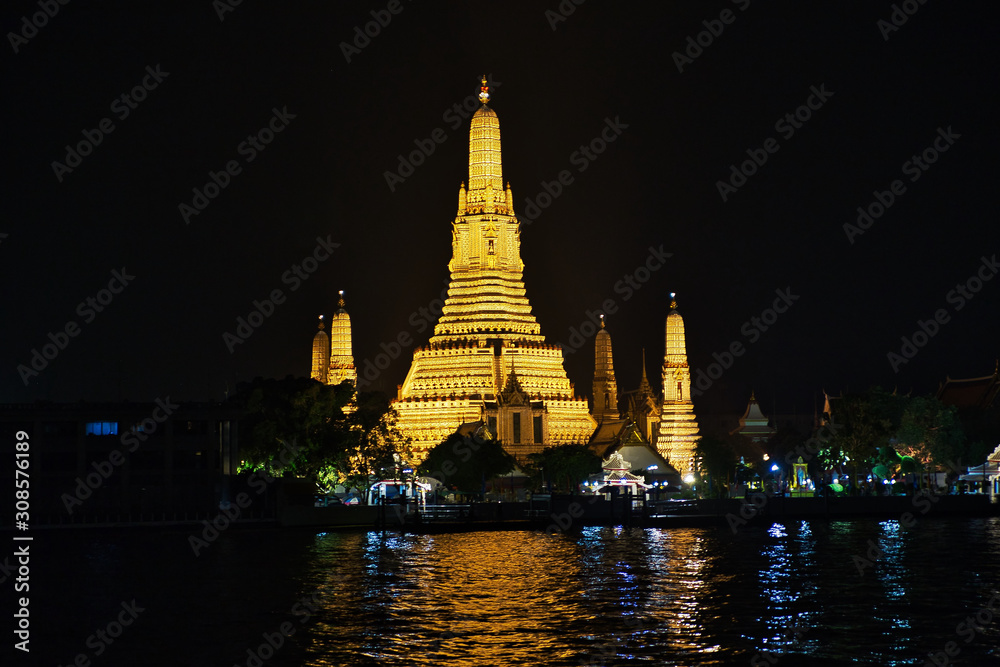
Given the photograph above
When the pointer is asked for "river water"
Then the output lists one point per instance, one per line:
(863, 592)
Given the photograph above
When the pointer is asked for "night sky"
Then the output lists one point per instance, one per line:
(211, 83)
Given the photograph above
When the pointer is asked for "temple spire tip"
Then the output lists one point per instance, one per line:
(484, 91)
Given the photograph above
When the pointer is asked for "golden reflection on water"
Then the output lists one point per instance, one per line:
(609, 596)
(516, 597)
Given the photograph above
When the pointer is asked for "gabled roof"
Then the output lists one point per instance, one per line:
(978, 392)
(753, 423)
(623, 437)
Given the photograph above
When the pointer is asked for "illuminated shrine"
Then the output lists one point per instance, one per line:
(488, 359)
(678, 425)
(332, 355)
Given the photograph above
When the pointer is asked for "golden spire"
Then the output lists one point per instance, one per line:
(485, 170)
(320, 354)
(676, 352)
(484, 91)
(341, 350)
(605, 388)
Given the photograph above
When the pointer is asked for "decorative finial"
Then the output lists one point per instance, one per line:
(340, 302)
(484, 91)
(752, 397)
(320, 322)
(602, 320)
(673, 301)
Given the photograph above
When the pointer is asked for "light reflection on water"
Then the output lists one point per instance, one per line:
(787, 593)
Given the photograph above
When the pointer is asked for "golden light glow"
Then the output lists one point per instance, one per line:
(678, 425)
(605, 386)
(341, 353)
(487, 328)
(320, 354)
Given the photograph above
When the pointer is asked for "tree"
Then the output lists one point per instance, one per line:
(465, 462)
(930, 432)
(564, 466)
(298, 412)
(717, 459)
(372, 442)
(335, 439)
(867, 421)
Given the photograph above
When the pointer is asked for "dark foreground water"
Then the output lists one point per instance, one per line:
(799, 593)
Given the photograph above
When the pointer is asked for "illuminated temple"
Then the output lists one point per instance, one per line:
(332, 355)
(678, 426)
(488, 360)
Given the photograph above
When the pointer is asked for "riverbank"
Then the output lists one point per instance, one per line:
(565, 512)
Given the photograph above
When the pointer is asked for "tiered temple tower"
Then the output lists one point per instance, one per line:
(678, 426)
(321, 354)
(753, 423)
(341, 352)
(605, 387)
(486, 328)
(332, 356)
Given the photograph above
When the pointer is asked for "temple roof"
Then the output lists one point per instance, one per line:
(623, 437)
(753, 423)
(978, 392)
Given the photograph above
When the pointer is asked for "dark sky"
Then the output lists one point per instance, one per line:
(655, 185)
